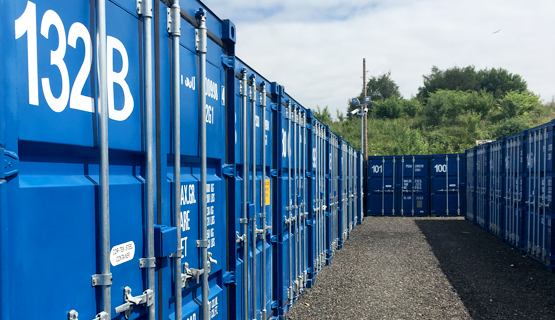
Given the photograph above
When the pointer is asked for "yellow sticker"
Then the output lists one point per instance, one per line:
(266, 196)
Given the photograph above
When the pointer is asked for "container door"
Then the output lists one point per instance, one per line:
(53, 139)
(513, 209)
(381, 186)
(470, 185)
(413, 174)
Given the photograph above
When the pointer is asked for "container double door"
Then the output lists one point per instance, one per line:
(514, 183)
(538, 192)
(318, 213)
(333, 195)
(382, 190)
(470, 156)
(110, 225)
(447, 184)
(398, 185)
(292, 208)
(252, 192)
(413, 175)
(497, 188)
(344, 192)
(482, 186)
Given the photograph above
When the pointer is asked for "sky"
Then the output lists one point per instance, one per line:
(315, 48)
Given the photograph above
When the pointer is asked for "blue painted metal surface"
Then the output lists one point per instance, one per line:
(497, 188)
(413, 175)
(333, 194)
(514, 189)
(300, 205)
(471, 196)
(482, 186)
(317, 194)
(447, 186)
(513, 180)
(538, 194)
(382, 187)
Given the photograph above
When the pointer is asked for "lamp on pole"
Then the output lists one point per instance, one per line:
(361, 112)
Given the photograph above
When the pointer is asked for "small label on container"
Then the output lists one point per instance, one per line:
(266, 195)
(122, 253)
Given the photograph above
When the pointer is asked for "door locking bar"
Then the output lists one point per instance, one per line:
(147, 298)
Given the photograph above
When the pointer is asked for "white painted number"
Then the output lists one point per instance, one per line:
(441, 167)
(51, 18)
(27, 24)
(377, 169)
(77, 100)
(209, 114)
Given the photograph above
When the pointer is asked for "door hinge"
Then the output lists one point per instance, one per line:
(146, 298)
(228, 61)
(9, 164)
(229, 278)
(228, 170)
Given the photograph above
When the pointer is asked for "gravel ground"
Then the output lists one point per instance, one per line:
(427, 268)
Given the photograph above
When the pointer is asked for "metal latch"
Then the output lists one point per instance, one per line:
(146, 298)
(9, 163)
(101, 316)
(240, 238)
(190, 273)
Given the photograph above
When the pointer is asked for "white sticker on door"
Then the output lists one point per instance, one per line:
(122, 253)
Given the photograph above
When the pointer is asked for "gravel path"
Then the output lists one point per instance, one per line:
(427, 268)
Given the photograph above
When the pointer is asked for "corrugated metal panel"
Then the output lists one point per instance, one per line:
(471, 195)
(333, 198)
(255, 95)
(413, 175)
(257, 163)
(538, 193)
(482, 185)
(514, 183)
(317, 190)
(382, 191)
(496, 182)
(447, 184)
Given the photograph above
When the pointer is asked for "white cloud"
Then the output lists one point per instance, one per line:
(315, 49)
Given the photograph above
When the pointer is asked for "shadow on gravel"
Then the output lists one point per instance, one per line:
(494, 280)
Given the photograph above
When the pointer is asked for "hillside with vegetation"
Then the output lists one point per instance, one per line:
(453, 109)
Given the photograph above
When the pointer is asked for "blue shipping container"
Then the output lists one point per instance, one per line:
(413, 172)
(382, 191)
(447, 184)
(514, 182)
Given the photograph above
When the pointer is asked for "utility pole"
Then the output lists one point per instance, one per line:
(365, 140)
(365, 143)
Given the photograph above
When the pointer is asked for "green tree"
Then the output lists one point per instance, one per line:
(499, 82)
(455, 78)
(390, 108)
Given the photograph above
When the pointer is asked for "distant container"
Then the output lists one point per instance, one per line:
(538, 192)
(482, 186)
(333, 198)
(470, 155)
(514, 190)
(447, 184)
(496, 199)
(413, 179)
(382, 188)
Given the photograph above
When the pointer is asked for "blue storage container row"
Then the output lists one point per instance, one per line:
(417, 185)
(509, 190)
(152, 174)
